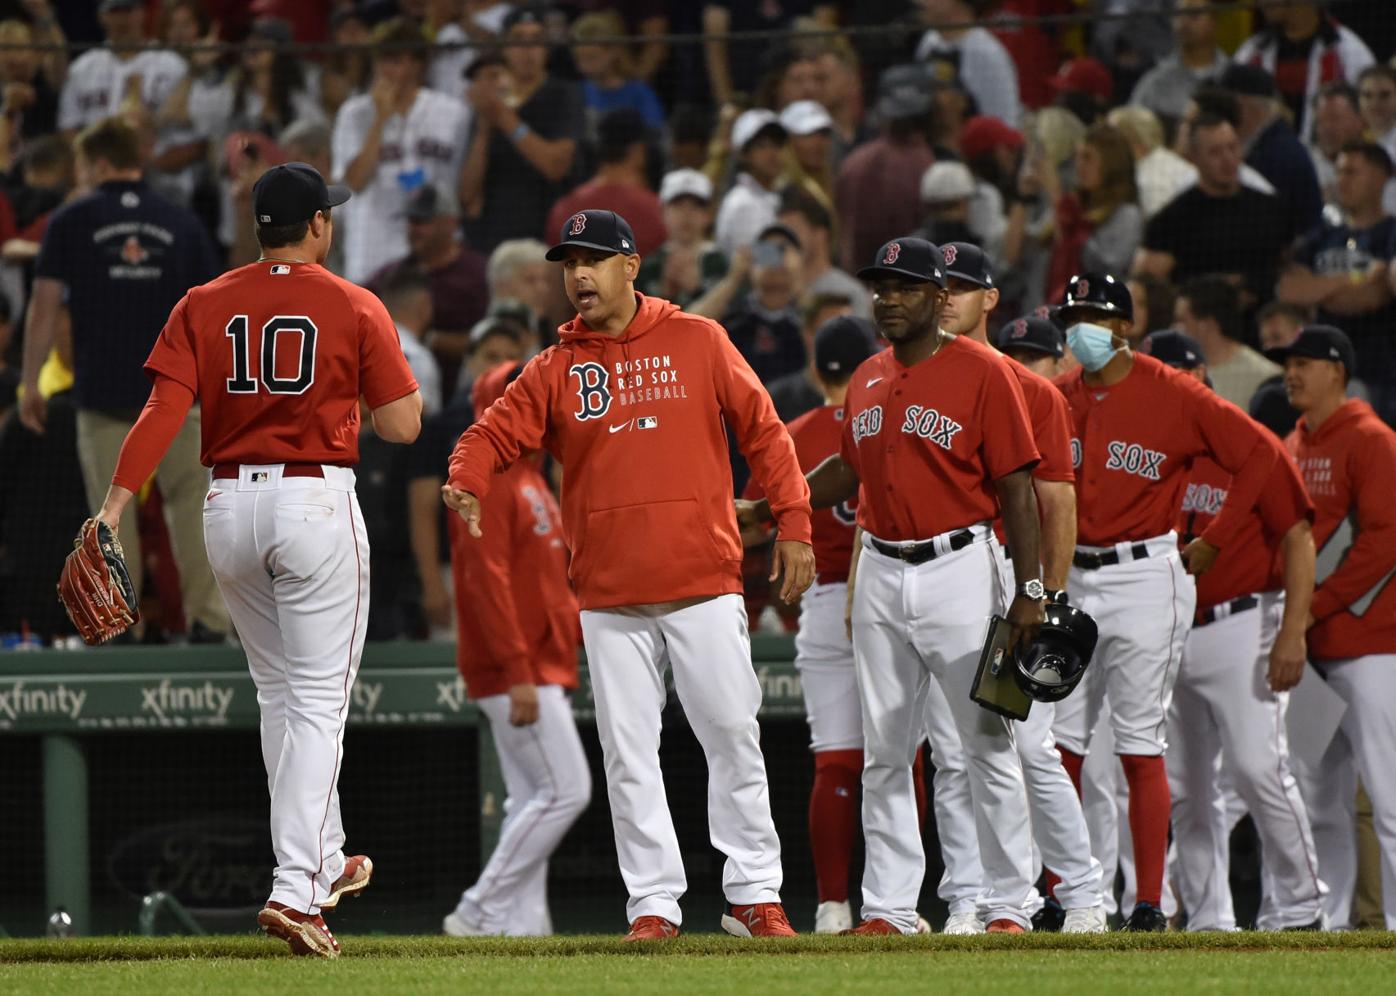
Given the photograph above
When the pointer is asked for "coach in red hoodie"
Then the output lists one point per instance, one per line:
(634, 402)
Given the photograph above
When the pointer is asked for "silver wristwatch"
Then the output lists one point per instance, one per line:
(1033, 589)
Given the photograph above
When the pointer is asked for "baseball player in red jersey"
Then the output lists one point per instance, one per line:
(1136, 427)
(278, 353)
(1347, 457)
(1059, 828)
(936, 434)
(1245, 651)
(516, 620)
(635, 402)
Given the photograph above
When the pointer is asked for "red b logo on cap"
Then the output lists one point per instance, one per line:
(949, 252)
(894, 249)
(579, 224)
(1083, 289)
(1020, 328)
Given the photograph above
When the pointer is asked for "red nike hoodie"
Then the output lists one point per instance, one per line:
(638, 422)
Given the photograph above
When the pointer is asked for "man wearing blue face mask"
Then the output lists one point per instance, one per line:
(1136, 427)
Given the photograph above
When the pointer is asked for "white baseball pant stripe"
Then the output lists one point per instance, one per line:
(291, 559)
(549, 785)
(1364, 745)
(824, 658)
(1224, 709)
(913, 624)
(1143, 610)
(705, 642)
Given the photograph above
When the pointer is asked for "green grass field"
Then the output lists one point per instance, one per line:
(1031, 965)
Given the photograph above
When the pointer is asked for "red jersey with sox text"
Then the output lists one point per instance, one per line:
(277, 355)
(928, 441)
(1349, 467)
(1250, 563)
(1051, 429)
(516, 615)
(1133, 441)
(639, 422)
(817, 435)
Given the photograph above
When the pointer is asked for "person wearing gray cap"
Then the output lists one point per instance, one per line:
(101, 79)
(970, 55)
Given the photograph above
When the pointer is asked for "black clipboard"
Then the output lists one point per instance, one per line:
(995, 687)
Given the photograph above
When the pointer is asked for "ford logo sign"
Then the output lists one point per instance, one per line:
(208, 864)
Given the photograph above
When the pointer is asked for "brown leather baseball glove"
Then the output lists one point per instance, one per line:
(95, 587)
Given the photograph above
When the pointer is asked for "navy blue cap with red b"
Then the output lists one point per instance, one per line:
(1176, 349)
(604, 231)
(907, 259)
(966, 261)
(1032, 333)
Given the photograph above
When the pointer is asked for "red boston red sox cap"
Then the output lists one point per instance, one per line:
(604, 231)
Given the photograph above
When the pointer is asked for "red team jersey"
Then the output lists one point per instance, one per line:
(1132, 444)
(278, 354)
(1349, 468)
(817, 435)
(928, 441)
(1250, 564)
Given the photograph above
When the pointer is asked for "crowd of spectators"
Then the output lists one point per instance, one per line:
(1236, 164)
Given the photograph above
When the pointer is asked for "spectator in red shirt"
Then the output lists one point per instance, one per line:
(619, 183)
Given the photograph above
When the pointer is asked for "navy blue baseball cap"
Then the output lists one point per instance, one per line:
(908, 258)
(841, 344)
(604, 231)
(1319, 342)
(1034, 334)
(968, 262)
(1102, 293)
(1177, 349)
(293, 192)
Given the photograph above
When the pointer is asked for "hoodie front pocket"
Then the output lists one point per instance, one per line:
(642, 554)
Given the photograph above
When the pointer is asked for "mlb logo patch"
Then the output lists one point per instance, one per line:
(260, 476)
(647, 422)
(280, 270)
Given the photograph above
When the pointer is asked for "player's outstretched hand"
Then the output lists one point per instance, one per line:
(751, 514)
(794, 561)
(1199, 556)
(466, 505)
(1026, 616)
(1287, 659)
(523, 705)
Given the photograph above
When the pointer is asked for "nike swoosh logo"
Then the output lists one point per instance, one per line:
(872, 382)
(623, 425)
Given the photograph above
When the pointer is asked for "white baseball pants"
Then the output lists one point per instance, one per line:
(1143, 610)
(1223, 710)
(1364, 745)
(549, 784)
(291, 559)
(824, 658)
(913, 624)
(705, 641)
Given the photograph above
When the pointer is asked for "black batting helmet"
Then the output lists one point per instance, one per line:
(1053, 665)
(1097, 292)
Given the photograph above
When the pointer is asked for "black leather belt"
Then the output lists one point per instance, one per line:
(1208, 616)
(921, 552)
(1095, 561)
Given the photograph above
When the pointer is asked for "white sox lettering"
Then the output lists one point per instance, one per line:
(592, 389)
(1204, 498)
(931, 424)
(1134, 459)
(867, 423)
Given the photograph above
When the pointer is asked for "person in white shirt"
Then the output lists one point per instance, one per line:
(119, 76)
(1166, 88)
(479, 21)
(970, 55)
(759, 140)
(1376, 95)
(407, 296)
(1159, 172)
(387, 143)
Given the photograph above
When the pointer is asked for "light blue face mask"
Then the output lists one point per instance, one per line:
(1093, 345)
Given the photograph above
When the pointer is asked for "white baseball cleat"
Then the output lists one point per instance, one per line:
(830, 918)
(456, 925)
(1090, 920)
(963, 924)
(923, 926)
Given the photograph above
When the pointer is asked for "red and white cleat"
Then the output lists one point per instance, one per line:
(876, 927)
(306, 933)
(358, 872)
(1004, 926)
(652, 928)
(759, 920)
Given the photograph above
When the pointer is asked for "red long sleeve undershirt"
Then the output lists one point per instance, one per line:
(153, 433)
